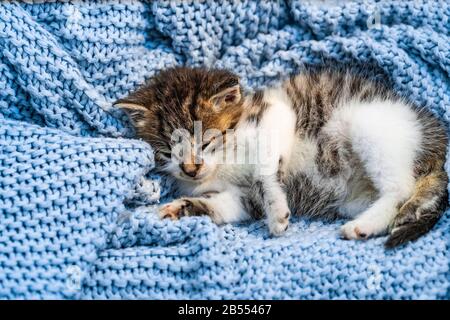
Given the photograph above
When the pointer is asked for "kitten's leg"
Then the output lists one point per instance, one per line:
(374, 221)
(395, 186)
(223, 207)
(386, 148)
(268, 191)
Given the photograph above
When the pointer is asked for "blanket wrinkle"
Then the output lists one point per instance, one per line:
(78, 197)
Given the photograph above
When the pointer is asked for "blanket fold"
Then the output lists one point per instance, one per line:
(78, 200)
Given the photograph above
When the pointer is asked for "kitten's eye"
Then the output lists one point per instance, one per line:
(207, 143)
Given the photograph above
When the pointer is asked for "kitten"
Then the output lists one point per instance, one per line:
(344, 145)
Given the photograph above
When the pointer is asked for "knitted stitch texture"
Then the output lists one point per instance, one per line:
(78, 199)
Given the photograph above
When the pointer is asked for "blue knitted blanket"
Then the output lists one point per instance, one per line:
(77, 194)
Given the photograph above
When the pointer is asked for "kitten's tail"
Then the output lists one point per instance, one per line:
(421, 212)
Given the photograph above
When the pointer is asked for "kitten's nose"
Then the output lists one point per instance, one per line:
(190, 169)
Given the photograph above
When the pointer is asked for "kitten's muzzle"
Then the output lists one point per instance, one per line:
(191, 169)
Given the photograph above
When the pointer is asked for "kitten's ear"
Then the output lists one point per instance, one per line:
(226, 97)
(135, 111)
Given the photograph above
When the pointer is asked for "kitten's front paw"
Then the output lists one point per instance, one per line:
(279, 224)
(174, 210)
(360, 229)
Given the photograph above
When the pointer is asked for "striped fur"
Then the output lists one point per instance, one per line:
(349, 145)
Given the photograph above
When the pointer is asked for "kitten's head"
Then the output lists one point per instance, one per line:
(194, 106)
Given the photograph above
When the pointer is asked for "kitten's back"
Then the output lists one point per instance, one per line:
(317, 94)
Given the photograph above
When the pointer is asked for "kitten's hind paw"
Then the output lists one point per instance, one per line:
(351, 231)
(362, 229)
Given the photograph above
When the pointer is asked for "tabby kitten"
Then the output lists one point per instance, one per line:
(345, 146)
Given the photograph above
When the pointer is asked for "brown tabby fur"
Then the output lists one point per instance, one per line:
(177, 97)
